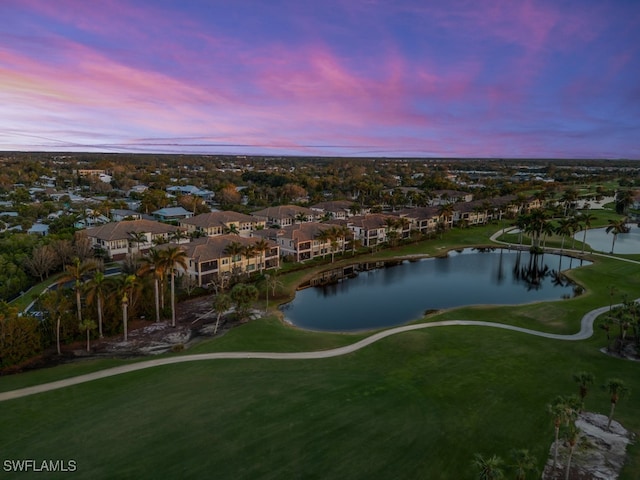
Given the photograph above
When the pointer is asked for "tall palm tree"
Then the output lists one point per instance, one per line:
(221, 303)
(173, 257)
(573, 433)
(97, 289)
(587, 220)
(574, 224)
(87, 325)
(57, 304)
(445, 213)
(324, 236)
(124, 290)
(617, 389)
(616, 227)
(153, 263)
(569, 196)
(583, 379)
(563, 410)
(249, 251)
(75, 273)
(564, 230)
(624, 199)
(262, 247)
(235, 249)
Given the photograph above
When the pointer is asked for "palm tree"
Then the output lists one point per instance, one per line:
(249, 251)
(334, 234)
(124, 290)
(300, 218)
(524, 463)
(573, 432)
(153, 263)
(97, 289)
(178, 235)
(235, 249)
(57, 304)
(173, 257)
(583, 379)
(617, 390)
(232, 229)
(87, 325)
(262, 246)
(616, 227)
(564, 230)
(444, 213)
(587, 220)
(324, 236)
(243, 295)
(75, 273)
(137, 238)
(563, 410)
(568, 197)
(574, 225)
(488, 468)
(221, 303)
(624, 199)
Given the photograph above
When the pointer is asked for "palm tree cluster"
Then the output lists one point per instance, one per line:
(564, 411)
(333, 235)
(539, 223)
(100, 296)
(627, 318)
(237, 250)
(491, 468)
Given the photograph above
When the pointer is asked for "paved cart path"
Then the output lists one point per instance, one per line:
(586, 330)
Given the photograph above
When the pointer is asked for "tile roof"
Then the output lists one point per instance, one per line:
(222, 218)
(120, 230)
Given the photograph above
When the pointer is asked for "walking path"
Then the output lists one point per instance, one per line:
(586, 330)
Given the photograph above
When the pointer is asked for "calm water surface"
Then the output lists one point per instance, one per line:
(397, 294)
(600, 240)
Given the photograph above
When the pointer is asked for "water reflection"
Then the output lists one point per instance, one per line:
(367, 296)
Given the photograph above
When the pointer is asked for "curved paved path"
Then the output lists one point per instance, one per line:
(586, 330)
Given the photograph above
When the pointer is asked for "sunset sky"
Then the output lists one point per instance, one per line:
(477, 78)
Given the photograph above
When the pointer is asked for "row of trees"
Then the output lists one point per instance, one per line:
(539, 224)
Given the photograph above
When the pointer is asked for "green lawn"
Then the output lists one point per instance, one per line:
(415, 405)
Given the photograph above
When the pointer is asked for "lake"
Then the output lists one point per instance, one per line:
(601, 241)
(362, 297)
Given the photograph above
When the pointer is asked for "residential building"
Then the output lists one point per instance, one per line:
(210, 258)
(284, 215)
(205, 195)
(374, 228)
(171, 214)
(337, 209)
(303, 241)
(119, 239)
(221, 222)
